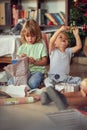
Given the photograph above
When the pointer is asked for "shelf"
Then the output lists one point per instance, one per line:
(49, 5)
(5, 59)
(51, 28)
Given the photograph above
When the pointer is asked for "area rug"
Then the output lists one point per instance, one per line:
(70, 119)
(83, 110)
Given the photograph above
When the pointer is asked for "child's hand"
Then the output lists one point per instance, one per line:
(64, 28)
(22, 55)
(31, 60)
(75, 31)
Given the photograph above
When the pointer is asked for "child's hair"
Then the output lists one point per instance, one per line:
(83, 87)
(84, 83)
(31, 28)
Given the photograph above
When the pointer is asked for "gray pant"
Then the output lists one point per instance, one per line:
(51, 81)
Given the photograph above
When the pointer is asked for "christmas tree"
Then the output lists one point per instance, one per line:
(78, 17)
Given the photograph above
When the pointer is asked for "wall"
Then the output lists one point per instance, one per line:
(51, 5)
(54, 6)
(29, 3)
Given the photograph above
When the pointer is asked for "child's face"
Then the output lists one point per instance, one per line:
(30, 39)
(61, 41)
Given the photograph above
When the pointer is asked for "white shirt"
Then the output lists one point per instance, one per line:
(60, 62)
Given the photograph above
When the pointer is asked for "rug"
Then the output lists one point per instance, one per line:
(70, 119)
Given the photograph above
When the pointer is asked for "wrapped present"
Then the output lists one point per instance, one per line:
(18, 100)
(66, 87)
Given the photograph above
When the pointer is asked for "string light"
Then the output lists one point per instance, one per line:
(75, 0)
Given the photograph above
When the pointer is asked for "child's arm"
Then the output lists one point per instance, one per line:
(78, 41)
(54, 37)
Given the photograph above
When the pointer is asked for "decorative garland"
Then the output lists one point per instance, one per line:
(81, 2)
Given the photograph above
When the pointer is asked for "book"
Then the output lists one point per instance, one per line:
(43, 17)
(39, 16)
(59, 18)
(26, 15)
(62, 15)
(35, 14)
(53, 15)
(2, 14)
(7, 11)
(21, 13)
(51, 18)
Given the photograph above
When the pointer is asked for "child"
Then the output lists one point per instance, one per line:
(83, 87)
(60, 56)
(62, 100)
(33, 48)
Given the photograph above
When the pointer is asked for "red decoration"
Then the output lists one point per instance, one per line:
(85, 14)
(50, 23)
(84, 27)
(83, 2)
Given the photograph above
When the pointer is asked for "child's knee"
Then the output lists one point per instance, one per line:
(34, 83)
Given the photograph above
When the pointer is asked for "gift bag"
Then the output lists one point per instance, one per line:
(19, 71)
